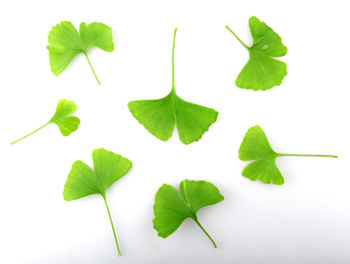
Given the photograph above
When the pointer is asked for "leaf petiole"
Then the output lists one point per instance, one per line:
(93, 71)
(205, 232)
(307, 155)
(245, 45)
(172, 63)
(31, 133)
(110, 219)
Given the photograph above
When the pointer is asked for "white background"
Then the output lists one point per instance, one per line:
(304, 221)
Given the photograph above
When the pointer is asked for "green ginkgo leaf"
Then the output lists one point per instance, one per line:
(160, 115)
(65, 42)
(171, 209)
(262, 71)
(255, 147)
(66, 123)
(83, 181)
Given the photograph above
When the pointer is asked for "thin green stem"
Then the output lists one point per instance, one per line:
(205, 232)
(87, 57)
(110, 219)
(31, 133)
(244, 45)
(173, 63)
(307, 155)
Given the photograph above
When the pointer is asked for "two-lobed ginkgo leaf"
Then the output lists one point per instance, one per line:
(65, 42)
(66, 123)
(256, 147)
(83, 181)
(262, 71)
(171, 208)
(160, 115)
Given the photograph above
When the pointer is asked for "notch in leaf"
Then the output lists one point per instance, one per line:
(66, 123)
(255, 147)
(262, 71)
(171, 209)
(65, 42)
(83, 181)
(159, 116)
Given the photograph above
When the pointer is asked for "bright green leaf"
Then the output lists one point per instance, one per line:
(255, 147)
(83, 181)
(171, 209)
(65, 42)
(97, 35)
(67, 124)
(262, 71)
(159, 116)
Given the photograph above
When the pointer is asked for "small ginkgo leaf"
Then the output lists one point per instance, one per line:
(65, 42)
(160, 115)
(256, 147)
(262, 71)
(66, 124)
(171, 209)
(83, 181)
